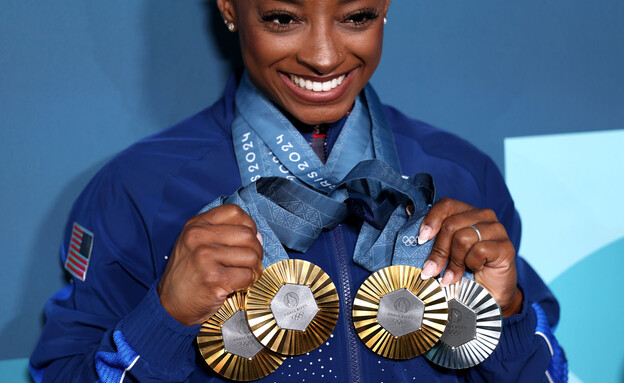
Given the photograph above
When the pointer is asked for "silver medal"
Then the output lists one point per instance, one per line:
(473, 329)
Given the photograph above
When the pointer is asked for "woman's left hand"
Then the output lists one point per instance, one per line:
(491, 258)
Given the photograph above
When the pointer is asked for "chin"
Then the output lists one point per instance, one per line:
(317, 114)
(319, 117)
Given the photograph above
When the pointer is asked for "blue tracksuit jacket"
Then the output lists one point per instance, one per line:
(111, 326)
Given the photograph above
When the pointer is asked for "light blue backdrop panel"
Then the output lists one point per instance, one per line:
(591, 308)
(568, 189)
(14, 370)
(81, 80)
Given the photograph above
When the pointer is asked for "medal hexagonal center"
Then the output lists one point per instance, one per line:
(294, 307)
(400, 312)
(462, 324)
(238, 338)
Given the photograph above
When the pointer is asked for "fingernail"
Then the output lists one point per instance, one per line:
(424, 234)
(259, 238)
(429, 269)
(447, 279)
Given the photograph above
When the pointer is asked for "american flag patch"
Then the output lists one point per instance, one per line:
(79, 252)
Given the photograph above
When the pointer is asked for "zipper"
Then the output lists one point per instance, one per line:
(345, 279)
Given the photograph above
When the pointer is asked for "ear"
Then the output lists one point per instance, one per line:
(227, 9)
(386, 6)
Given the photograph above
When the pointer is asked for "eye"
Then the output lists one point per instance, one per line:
(362, 18)
(282, 19)
(278, 20)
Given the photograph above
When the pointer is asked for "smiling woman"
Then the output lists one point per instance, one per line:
(312, 163)
(311, 58)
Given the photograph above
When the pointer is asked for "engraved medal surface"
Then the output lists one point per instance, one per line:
(473, 330)
(238, 338)
(397, 314)
(229, 347)
(293, 308)
(400, 312)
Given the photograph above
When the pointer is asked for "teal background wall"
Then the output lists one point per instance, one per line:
(536, 84)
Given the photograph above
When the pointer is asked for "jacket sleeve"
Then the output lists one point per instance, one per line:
(528, 350)
(107, 324)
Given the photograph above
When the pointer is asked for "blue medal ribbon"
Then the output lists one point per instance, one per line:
(292, 196)
(267, 144)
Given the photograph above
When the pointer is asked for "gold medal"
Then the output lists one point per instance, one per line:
(293, 308)
(474, 327)
(229, 347)
(397, 314)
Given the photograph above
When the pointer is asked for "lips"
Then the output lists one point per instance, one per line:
(318, 89)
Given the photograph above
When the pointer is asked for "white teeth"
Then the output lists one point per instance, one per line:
(317, 86)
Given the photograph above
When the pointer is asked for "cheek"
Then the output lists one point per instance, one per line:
(368, 48)
(261, 49)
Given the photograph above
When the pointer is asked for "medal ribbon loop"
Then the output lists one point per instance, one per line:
(292, 196)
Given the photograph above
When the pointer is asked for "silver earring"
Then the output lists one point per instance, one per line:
(385, 21)
(230, 26)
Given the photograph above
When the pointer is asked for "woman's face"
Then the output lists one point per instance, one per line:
(310, 57)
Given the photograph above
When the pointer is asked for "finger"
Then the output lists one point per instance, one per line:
(478, 256)
(464, 240)
(230, 269)
(237, 278)
(443, 209)
(238, 257)
(494, 267)
(238, 236)
(442, 249)
(231, 214)
(493, 254)
(226, 215)
(223, 235)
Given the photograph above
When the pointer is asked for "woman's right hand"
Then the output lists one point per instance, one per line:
(218, 252)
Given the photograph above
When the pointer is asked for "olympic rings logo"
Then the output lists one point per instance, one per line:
(410, 241)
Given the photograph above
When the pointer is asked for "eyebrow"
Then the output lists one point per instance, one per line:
(300, 2)
(295, 2)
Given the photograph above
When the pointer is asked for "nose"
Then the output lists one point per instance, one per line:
(321, 50)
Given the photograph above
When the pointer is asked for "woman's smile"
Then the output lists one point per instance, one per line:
(318, 90)
(317, 85)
